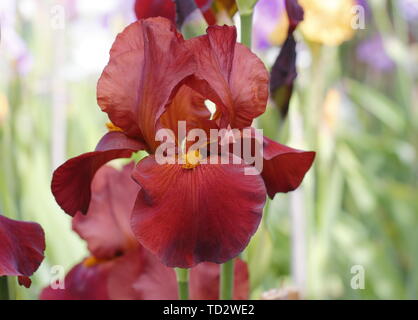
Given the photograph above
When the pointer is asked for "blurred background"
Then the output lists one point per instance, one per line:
(355, 102)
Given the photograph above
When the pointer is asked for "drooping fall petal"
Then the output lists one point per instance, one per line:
(22, 246)
(148, 62)
(24, 281)
(138, 275)
(187, 216)
(82, 283)
(230, 75)
(284, 168)
(141, 276)
(106, 226)
(71, 181)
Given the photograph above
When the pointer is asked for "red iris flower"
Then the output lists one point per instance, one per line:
(167, 9)
(183, 214)
(21, 250)
(119, 267)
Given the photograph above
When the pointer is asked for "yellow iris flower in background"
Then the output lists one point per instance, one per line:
(279, 35)
(328, 22)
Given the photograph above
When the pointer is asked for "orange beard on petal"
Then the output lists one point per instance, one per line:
(93, 261)
(191, 159)
(111, 127)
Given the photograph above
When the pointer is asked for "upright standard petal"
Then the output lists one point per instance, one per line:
(21, 250)
(148, 62)
(71, 181)
(211, 219)
(106, 227)
(187, 105)
(284, 168)
(230, 75)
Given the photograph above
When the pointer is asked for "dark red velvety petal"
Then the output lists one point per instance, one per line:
(22, 246)
(230, 75)
(155, 8)
(24, 281)
(106, 227)
(187, 216)
(141, 276)
(148, 61)
(284, 167)
(71, 181)
(106, 280)
(82, 283)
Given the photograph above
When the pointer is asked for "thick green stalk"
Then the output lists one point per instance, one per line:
(227, 280)
(183, 283)
(4, 289)
(246, 28)
(227, 269)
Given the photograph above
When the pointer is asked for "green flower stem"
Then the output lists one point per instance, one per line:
(183, 283)
(4, 289)
(227, 280)
(227, 269)
(246, 28)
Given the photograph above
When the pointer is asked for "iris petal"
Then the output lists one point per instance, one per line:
(106, 226)
(21, 250)
(71, 181)
(230, 75)
(284, 168)
(187, 216)
(148, 62)
(82, 283)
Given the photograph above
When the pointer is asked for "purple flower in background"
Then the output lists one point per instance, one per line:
(271, 22)
(11, 43)
(267, 16)
(409, 9)
(372, 52)
(365, 5)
